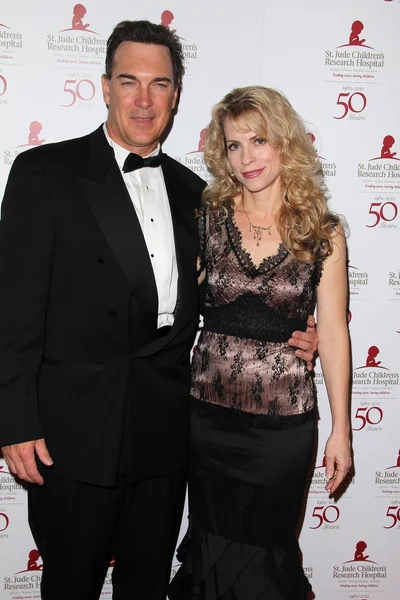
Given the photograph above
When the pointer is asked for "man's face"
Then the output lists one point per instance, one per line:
(140, 96)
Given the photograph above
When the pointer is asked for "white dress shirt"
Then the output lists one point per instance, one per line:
(149, 197)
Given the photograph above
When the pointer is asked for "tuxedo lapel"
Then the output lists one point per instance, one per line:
(109, 200)
(183, 230)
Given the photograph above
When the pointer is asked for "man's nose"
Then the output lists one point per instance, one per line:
(143, 98)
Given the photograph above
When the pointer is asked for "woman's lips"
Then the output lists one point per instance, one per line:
(252, 174)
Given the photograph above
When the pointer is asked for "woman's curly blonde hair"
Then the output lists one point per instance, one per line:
(304, 222)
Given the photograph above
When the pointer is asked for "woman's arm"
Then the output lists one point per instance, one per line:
(334, 352)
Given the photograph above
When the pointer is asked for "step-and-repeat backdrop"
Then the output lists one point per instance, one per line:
(338, 63)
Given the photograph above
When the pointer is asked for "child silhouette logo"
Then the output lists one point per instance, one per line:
(312, 139)
(201, 143)
(34, 139)
(354, 37)
(359, 552)
(77, 19)
(32, 564)
(166, 19)
(35, 129)
(387, 143)
(323, 465)
(78, 14)
(371, 361)
(359, 555)
(373, 352)
(3, 470)
(386, 150)
(356, 29)
(397, 465)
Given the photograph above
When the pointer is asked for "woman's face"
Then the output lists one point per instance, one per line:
(255, 163)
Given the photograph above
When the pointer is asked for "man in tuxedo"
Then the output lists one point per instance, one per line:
(98, 312)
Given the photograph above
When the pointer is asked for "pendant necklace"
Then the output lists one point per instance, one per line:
(257, 229)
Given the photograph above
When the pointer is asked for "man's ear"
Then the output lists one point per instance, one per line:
(105, 84)
(175, 99)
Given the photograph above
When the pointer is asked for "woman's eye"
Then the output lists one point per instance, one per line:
(232, 146)
(259, 141)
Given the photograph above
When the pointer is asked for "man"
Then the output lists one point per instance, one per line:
(98, 312)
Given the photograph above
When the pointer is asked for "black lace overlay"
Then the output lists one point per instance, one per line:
(242, 359)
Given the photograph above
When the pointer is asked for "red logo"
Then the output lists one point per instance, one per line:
(35, 129)
(397, 465)
(359, 555)
(79, 12)
(166, 19)
(354, 37)
(32, 564)
(312, 139)
(323, 463)
(2, 25)
(386, 150)
(3, 470)
(201, 143)
(371, 361)
(4, 521)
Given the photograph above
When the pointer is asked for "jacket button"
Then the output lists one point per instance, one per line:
(112, 313)
(101, 260)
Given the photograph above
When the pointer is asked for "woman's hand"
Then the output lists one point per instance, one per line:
(338, 460)
(201, 274)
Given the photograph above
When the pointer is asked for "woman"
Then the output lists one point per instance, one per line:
(268, 246)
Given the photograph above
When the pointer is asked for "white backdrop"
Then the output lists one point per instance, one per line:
(50, 90)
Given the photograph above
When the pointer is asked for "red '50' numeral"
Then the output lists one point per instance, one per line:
(348, 103)
(387, 212)
(393, 512)
(4, 521)
(3, 85)
(372, 418)
(74, 87)
(321, 514)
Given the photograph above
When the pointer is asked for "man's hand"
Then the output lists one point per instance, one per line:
(21, 459)
(306, 342)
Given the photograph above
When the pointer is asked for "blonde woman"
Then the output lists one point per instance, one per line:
(269, 249)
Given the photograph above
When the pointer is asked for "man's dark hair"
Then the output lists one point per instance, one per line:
(144, 32)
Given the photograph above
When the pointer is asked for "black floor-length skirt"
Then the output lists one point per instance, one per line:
(247, 481)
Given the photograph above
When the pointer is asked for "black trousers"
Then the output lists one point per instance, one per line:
(78, 527)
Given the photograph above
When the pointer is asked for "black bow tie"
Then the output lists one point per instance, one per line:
(134, 161)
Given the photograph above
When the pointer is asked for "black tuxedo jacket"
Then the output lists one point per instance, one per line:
(78, 314)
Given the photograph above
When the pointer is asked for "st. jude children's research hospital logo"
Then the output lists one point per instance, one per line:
(78, 44)
(355, 59)
(29, 579)
(360, 572)
(374, 372)
(388, 481)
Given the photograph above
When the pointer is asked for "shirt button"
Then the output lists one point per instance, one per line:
(152, 220)
(152, 255)
(146, 187)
